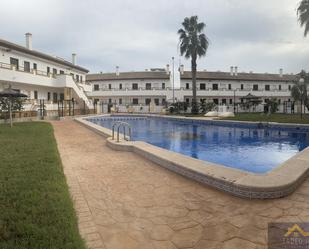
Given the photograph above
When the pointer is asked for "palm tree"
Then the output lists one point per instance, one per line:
(193, 44)
(303, 15)
(299, 91)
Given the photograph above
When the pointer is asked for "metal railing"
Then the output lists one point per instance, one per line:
(117, 125)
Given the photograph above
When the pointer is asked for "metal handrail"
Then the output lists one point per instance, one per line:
(118, 125)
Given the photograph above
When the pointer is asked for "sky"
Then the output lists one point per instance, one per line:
(259, 36)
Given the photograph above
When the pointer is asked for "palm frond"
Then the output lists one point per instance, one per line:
(303, 15)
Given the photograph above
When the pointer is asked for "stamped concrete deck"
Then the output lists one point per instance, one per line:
(124, 201)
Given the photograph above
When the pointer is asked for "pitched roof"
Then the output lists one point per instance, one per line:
(16, 47)
(128, 76)
(205, 75)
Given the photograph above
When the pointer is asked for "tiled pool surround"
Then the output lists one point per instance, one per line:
(279, 182)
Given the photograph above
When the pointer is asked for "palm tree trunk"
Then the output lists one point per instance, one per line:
(193, 71)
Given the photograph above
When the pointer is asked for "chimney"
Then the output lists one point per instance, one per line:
(232, 69)
(167, 69)
(74, 59)
(117, 70)
(28, 41)
(181, 69)
(236, 71)
(281, 72)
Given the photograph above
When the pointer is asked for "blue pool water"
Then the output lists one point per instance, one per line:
(245, 147)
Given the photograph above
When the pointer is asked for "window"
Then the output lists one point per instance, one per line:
(147, 101)
(187, 85)
(267, 87)
(135, 86)
(163, 102)
(54, 71)
(230, 86)
(241, 86)
(223, 101)
(72, 75)
(55, 97)
(202, 86)
(14, 62)
(120, 86)
(35, 67)
(81, 78)
(216, 101)
(48, 70)
(255, 87)
(148, 86)
(215, 87)
(279, 87)
(77, 78)
(48, 96)
(187, 100)
(156, 101)
(96, 87)
(61, 96)
(120, 101)
(35, 94)
(135, 101)
(110, 101)
(26, 66)
(163, 85)
(231, 101)
(289, 87)
(109, 86)
(61, 72)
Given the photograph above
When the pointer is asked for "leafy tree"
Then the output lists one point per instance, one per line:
(272, 105)
(206, 106)
(303, 15)
(17, 105)
(299, 91)
(178, 107)
(193, 44)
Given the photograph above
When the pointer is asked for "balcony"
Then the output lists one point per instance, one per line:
(10, 73)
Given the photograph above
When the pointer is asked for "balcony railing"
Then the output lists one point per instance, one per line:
(35, 72)
(131, 89)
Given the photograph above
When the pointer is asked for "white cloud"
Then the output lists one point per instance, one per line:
(255, 35)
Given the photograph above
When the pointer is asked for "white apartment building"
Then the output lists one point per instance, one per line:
(42, 76)
(141, 89)
(225, 88)
(135, 91)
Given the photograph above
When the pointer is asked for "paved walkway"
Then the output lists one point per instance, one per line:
(124, 201)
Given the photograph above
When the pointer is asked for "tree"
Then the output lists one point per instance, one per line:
(193, 44)
(17, 104)
(303, 15)
(206, 106)
(272, 105)
(299, 91)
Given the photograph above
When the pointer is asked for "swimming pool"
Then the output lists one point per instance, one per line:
(248, 147)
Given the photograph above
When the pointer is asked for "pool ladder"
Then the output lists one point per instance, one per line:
(117, 125)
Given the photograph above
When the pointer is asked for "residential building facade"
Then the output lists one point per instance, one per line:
(131, 91)
(42, 76)
(141, 89)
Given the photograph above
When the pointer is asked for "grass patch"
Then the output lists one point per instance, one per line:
(36, 211)
(276, 117)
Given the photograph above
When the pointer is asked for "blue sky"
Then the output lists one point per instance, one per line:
(259, 36)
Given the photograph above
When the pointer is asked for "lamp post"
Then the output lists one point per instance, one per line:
(301, 81)
(234, 100)
(173, 81)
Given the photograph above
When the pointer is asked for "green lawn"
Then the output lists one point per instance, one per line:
(280, 118)
(36, 211)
